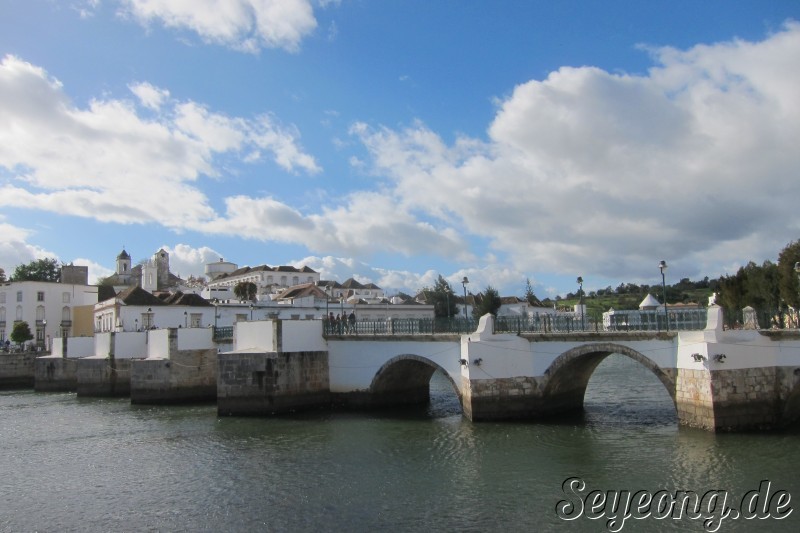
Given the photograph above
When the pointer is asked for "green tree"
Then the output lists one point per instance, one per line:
(245, 290)
(788, 284)
(443, 298)
(21, 332)
(489, 302)
(752, 285)
(105, 281)
(529, 295)
(38, 270)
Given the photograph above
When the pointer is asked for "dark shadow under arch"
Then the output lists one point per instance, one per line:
(569, 374)
(405, 379)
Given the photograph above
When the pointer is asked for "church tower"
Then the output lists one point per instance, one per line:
(161, 261)
(124, 267)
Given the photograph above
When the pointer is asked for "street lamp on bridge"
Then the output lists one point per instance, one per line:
(464, 282)
(580, 301)
(662, 266)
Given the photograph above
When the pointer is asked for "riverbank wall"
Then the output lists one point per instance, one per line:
(16, 370)
(54, 373)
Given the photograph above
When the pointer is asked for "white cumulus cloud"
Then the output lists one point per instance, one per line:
(693, 162)
(247, 25)
(106, 161)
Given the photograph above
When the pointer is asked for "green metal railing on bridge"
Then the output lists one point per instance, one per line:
(681, 320)
(400, 326)
(761, 319)
(617, 321)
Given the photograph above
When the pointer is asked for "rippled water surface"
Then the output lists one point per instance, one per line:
(69, 464)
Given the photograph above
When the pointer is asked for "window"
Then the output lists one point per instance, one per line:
(40, 313)
(65, 297)
(2, 297)
(19, 296)
(196, 320)
(65, 314)
(3, 315)
(241, 317)
(40, 296)
(147, 320)
(19, 312)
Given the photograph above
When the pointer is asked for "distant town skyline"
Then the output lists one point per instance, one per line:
(394, 142)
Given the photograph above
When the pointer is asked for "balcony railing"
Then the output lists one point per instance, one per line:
(224, 333)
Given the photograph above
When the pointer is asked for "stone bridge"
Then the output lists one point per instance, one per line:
(717, 379)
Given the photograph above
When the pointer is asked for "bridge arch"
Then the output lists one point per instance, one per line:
(568, 375)
(405, 379)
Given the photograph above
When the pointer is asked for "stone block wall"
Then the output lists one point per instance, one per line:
(746, 398)
(103, 377)
(693, 398)
(187, 376)
(508, 398)
(55, 374)
(738, 399)
(16, 370)
(272, 383)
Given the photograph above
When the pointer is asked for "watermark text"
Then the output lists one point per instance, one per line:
(713, 507)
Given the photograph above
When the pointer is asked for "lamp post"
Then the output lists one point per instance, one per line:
(136, 324)
(185, 319)
(464, 282)
(662, 266)
(44, 334)
(251, 312)
(580, 301)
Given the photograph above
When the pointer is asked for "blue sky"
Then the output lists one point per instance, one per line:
(394, 141)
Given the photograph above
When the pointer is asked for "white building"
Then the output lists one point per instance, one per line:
(269, 281)
(136, 309)
(351, 291)
(47, 307)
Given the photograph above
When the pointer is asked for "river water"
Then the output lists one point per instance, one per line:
(69, 464)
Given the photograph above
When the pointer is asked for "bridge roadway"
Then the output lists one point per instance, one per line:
(718, 380)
